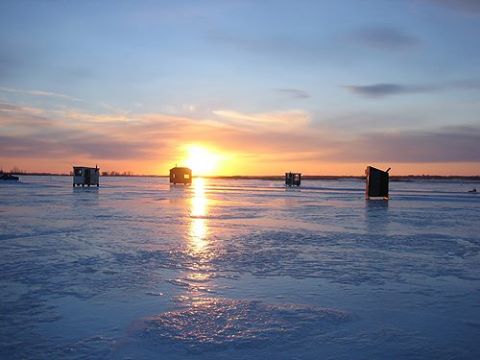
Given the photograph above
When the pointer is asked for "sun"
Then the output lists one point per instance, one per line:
(201, 160)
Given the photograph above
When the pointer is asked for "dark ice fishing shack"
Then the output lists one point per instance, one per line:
(83, 175)
(377, 183)
(180, 175)
(293, 179)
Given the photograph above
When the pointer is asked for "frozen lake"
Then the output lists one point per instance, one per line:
(238, 269)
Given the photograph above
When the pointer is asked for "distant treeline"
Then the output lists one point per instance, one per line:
(117, 173)
(17, 171)
(339, 177)
(103, 173)
(433, 177)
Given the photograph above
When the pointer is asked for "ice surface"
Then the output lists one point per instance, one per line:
(238, 269)
(204, 324)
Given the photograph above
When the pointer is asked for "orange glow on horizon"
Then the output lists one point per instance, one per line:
(242, 164)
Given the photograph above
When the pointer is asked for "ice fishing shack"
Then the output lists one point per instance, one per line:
(83, 175)
(293, 179)
(377, 183)
(180, 175)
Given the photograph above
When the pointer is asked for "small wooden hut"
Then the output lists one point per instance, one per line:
(293, 179)
(83, 175)
(180, 175)
(377, 183)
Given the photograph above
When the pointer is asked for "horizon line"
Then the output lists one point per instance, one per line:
(261, 177)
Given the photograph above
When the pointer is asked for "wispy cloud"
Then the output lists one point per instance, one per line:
(275, 121)
(92, 147)
(275, 136)
(22, 116)
(384, 37)
(468, 6)
(39, 93)
(441, 145)
(380, 90)
(294, 93)
(471, 84)
(385, 89)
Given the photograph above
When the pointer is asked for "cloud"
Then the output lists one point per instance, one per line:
(95, 148)
(471, 84)
(442, 145)
(383, 37)
(271, 137)
(468, 6)
(294, 93)
(39, 93)
(275, 121)
(144, 137)
(387, 89)
(11, 114)
(5, 108)
(38, 133)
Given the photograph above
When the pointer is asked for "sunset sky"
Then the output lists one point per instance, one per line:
(238, 87)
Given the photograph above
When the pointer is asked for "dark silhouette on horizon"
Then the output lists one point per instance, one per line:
(180, 175)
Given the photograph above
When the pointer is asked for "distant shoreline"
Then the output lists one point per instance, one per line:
(304, 177)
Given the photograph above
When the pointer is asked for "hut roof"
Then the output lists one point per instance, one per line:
(179, 168)
(85, 167)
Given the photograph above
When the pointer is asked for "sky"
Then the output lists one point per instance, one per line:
(240, 87)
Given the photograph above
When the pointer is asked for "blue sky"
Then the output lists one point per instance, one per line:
(403, 69)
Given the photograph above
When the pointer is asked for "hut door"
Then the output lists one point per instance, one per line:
(87, 176)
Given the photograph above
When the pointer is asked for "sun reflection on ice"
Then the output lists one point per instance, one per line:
(198, 224)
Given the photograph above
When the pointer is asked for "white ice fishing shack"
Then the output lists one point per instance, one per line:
(83, 175)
